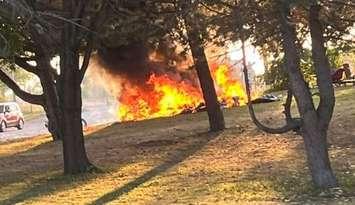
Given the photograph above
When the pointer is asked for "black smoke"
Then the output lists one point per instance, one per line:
(129, 61)
(132, 62)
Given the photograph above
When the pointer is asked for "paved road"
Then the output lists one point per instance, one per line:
(34, 127)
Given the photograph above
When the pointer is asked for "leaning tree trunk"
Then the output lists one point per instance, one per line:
(314, 137)
(51, 99)
(52, 109)
(322, 68)
(215, 114)
(47, 76)
(75, 158)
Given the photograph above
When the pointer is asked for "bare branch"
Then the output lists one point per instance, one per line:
(30, 98)
(66, 20)
(87, 56)
(22, 62)
(213, 10)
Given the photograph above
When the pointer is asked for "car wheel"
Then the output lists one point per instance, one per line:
(20, 124)
(2, 126)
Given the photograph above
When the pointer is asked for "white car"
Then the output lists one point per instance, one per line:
(10, 116)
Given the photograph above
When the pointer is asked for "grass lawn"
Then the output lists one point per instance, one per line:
(176, 161)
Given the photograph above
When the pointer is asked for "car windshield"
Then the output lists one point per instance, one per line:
(1, 108)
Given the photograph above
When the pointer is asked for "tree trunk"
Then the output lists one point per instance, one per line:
(313, 136)
(75, 158)
(54, 122)
(51, 99)
(215, 114)
(52, 110)
(322, 67)
(315, 141)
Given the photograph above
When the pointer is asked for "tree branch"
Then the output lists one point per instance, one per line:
(22, 62)
(322, 67)
(213, 10)
(30, 98)
(291, 124)
(87, 56)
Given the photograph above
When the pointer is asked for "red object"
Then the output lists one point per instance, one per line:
(10, 116)
(337, 75)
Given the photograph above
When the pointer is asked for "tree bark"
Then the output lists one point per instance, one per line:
(47, 75)
(314, 137)
(75, 158)
(215, 114)
(317, 153)
(51, 98)
(322, 67)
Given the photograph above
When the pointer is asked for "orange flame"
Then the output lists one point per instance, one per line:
(229, 90)
(162, 96)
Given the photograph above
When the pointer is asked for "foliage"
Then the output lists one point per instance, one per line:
(261, 28)
(276, 77)
(9, 39)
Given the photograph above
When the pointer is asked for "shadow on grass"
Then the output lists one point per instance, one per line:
(175, 159)
(48, 186)
(41, 166)
(294, 183)
(16, 160)
(46, 177)
(47, 156)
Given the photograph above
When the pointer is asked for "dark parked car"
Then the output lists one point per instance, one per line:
(10, 116)
(266, 99)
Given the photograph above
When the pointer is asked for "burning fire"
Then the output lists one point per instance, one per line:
(163, 95)
(229, 90)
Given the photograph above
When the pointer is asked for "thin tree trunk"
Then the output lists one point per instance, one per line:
(313, 136)
(53, 113)
(51, 104)
(322, 67)
(215, 114)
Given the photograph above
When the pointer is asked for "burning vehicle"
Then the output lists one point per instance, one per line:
(147, 85)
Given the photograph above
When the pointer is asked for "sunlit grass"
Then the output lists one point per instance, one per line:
(174, 161)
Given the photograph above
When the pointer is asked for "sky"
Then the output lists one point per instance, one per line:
(253, 57)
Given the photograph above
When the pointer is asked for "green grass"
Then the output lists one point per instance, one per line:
(176, 161)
